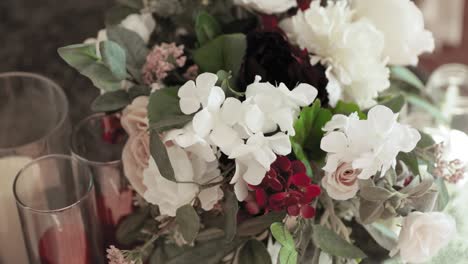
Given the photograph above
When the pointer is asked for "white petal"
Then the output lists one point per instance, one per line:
(225, 138)
(216, 98)
(206, 79)
(231, 111)
(337, 122)
(254, 118)
(284, 118)
(187, 90)
(209, 197)
(382, 118)
(280, 144)
(304, 94)
(241, 190)
(203, 122)
(189, 105)
(265, 156)
(255, 173)
(334, 142)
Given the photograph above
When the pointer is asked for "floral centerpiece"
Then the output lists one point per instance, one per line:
(269, 131)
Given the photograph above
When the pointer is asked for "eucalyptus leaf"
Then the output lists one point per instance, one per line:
(209, 234)
(405, 75)
(172, 122)
(254, 252)
(375, 193)
(427, 107)
(259, 224)
(385, 237)
(188, 222)
(282, 235)
(395, 103)
(444, 196)
(331, 243)
(163, 105)
(426, 140)
(231, 207)
(288, 256)
(139, 90)
(159, 153)
(411, 160)
(111, 101)
(370, 211)
(113, 56)
(425, 202)
(206, 27)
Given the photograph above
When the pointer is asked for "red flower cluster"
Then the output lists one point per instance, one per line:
(285, 187)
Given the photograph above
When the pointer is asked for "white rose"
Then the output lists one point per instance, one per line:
(135, 157)
(169, 195)
(143, 25)
(135, 116)
(343, 183)
(267, 6)
(402, 24)
(424, 234)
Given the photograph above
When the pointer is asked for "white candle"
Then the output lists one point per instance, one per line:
(12, 247)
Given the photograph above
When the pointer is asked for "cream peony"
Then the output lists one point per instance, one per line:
(135, 156)
(267, 6)
(135, 116)
(170, 196)
(343, 183)
(351, 49)
(402, 24)
(423, 235)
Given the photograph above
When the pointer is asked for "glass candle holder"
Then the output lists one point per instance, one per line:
(98, 141)
(33, 123)
(57, 206)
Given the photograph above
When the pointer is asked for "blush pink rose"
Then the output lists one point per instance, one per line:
(135, 157)
(343, 183)
(135, 116)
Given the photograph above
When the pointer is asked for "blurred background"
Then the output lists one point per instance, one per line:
(32, 30)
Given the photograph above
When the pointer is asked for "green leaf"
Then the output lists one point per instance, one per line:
(111, 101)
(334, 245)
(370, 211)
(254, 252)
(159, 153)
(426, 106)
(259, 224)
(129, 229)
(444, 196)
(416, 188)
(134, 46)
(225, 81)
(231, 207)
(188, 222)
(173, 122)
(405, 75)
(83, 58)
(113, 56)
(225, 52)
(309, 129)
(206, 27)
(344, 108)
(385, 237)
(411, 160)
(164, 112)
(139, 90)
(426, 141)
(395, 103)
(288, 256)
(282, 235)
(302, 156)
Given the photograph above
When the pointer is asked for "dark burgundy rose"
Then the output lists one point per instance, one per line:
(270, 55)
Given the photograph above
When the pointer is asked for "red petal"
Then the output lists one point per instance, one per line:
(307, 211)
(252, 208)
(279, 196)
(310, 192)
(300, 179)
(303, 4)
(298, 167)
(293, 210)
(283, 163)
(276, 185)
(261, 197)
(270, 22)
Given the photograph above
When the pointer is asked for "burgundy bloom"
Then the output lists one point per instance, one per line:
(285, 187)
(270, 56)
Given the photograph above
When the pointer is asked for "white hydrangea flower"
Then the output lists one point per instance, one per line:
(266, 107)
(267, 6)
(370, 146)
(193, 95)
(405, 36)
(352, 49)
(170, 196)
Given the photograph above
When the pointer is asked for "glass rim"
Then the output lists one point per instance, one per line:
(57, 89)
(83, 197)
(73, 147)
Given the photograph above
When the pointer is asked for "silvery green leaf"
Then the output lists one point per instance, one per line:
(331, 243)
(254, 252)
(414, 190)
(375, 193)
(111, 101)
(395, 103)
(443, 197)
(366, 183)
(370, 211)
(405, 75)
(159, 153)
(188, 222)
(425, 202)
(231, 207)
(385, 237)
(113, 56)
